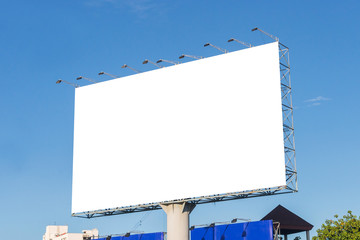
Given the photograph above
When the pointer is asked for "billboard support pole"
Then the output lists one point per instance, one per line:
(177, 221)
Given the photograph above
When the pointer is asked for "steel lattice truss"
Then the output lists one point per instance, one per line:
(288, 120)
(290, 160)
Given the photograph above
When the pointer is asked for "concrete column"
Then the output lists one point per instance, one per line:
(307, 235)
(178, 220)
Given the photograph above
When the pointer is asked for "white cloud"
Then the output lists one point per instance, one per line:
(318, 99)
(315, 104)
(138, 7)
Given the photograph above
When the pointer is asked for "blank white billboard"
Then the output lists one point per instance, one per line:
(205, 127)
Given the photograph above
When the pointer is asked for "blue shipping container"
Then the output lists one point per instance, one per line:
(145, 236)
(260, 230)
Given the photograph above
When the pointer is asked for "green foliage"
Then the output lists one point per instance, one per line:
(347, 227)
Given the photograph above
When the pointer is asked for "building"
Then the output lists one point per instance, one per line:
(61, 233)
(290, 223)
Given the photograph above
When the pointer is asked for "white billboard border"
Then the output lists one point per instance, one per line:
(289, 151)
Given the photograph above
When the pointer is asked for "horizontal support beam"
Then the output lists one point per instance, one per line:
(209, 199)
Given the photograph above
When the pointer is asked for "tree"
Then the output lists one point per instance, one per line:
(347, 227)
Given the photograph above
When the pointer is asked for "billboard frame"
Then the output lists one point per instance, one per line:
(289, 151)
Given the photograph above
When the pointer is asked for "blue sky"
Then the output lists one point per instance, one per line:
(42, 41)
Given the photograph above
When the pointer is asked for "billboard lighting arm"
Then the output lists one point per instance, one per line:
(164, 60)
(88, 79)
(105, 73)
(216, 47)
(240, 219)
(241, 42)
(208, 225)
(155, 64)
(126, 66)
(190, 56)
(267, 34)
(69, 83)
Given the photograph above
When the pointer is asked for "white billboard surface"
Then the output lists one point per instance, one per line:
(205, 127)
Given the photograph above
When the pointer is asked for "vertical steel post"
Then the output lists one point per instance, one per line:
(178, 220)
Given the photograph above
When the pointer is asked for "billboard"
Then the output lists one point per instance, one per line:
(201, 128)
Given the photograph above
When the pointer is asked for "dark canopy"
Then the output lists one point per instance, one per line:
(289, 222)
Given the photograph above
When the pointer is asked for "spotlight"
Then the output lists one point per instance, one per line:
(164, 60)
(155, 64)
(240, 219)
(243, 43)
(220, 49)
(267, 34)
(88, 79)
(105, 73)
(126, 66)
(69, 83)
(190, 56)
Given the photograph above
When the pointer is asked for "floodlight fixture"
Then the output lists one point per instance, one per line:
(88, 79)
(69, 83)
(127, 66)
(241, 42)
(201, 225)
(218, 48)
(240, 219)
(155, 64)
(190, 56)
(105, 73)
(267, 34)
(168, 61)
